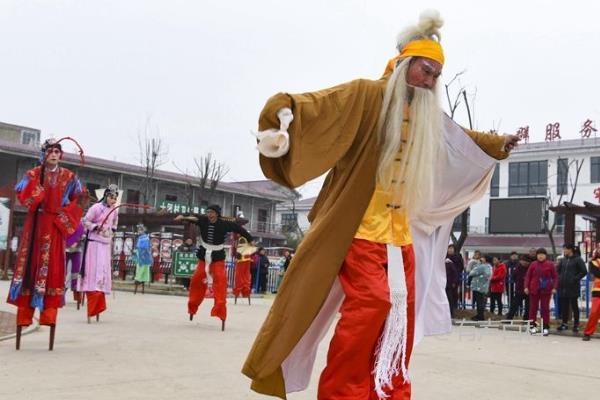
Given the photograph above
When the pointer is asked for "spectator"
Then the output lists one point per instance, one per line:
(519, 295)
(512, 263)
(532, 253)
(480, 281)
(571, 269)
(497, 285)
(541, 282)
(262, 268)
(287, 258)
(474, 261)
(590, 328)
(459, 266)
(452, 279)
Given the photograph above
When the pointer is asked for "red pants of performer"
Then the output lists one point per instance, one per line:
(198, 286)
(96, 303)
(76, 296)
(350, 360)
(590, 328)
(25, 316)
(541, 300)
(242, 279)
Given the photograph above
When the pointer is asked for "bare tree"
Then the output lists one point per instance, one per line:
(209, 172)
(573, 180)
(152, 153)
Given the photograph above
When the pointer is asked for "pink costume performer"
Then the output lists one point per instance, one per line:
(95, 277)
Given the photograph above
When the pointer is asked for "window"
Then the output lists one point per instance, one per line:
(559, 219)
(528, 178)
(170, 197)
(562, 176)
(262, 220)
(29, 137)
(289, 221)
(495, 185)
(595, 172)
(236, 211)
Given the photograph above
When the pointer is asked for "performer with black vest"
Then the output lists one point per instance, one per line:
(211, 260)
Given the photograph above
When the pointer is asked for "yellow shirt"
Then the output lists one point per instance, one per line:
(384, 222)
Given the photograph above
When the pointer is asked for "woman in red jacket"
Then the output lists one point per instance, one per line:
(497, 285)
(541, 282)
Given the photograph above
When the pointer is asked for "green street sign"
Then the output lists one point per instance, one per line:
(184, 264)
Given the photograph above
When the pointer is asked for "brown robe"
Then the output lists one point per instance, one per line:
(333, 130)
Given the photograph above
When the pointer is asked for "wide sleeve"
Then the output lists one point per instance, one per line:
(325, 125)
(90, 218)
(492, 145)
(29, 192)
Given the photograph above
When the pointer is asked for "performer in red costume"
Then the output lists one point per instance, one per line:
(53, 197)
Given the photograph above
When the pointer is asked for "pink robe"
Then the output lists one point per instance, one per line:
(98, 260)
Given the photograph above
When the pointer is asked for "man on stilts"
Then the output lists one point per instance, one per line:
(242, 276)
(54, 199)
(399, 169)
(211, 260)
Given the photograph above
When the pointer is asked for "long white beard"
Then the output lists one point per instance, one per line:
(415, 180)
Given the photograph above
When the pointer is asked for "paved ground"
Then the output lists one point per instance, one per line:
(7, 323)
(145, 348)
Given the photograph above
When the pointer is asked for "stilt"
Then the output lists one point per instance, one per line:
(235, 300)
(222, 325)
(78, 304)
(89, 320)
(82, 298)
(191, 317)
(135, 288)
(97, 317)
(18, 344)
(249, 303)
(143, 287)
(52, 333)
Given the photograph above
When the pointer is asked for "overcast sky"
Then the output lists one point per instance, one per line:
(200, 71)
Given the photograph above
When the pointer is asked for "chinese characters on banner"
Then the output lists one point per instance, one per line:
(587, 129)
(523, 134)
(553, 132)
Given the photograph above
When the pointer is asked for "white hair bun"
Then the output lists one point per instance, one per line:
(430, 21)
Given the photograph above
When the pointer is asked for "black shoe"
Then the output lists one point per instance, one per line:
(562, 327)
(586, 338)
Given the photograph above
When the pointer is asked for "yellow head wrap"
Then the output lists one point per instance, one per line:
(418, 48)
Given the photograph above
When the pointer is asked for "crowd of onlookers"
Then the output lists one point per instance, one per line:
(529, 282)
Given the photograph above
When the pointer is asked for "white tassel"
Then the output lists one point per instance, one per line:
(391, 351)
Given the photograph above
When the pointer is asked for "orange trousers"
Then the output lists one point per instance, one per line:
(350, 360)
(198, 286)
(592, 323)
(241, 286)
(25, 316)
(96, 303)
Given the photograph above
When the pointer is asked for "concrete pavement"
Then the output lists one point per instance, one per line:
(145, 348)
